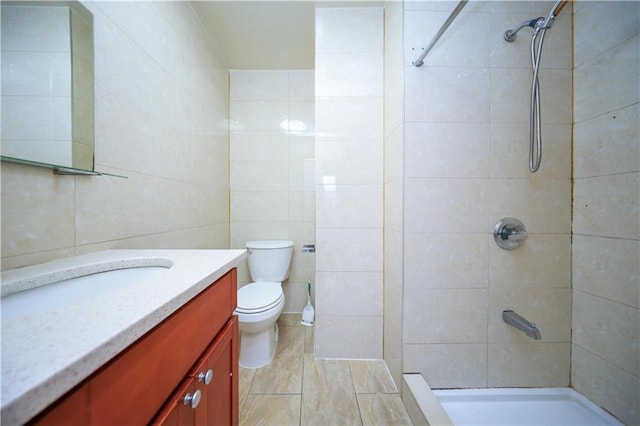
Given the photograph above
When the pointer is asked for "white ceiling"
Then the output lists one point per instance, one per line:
(267, 34)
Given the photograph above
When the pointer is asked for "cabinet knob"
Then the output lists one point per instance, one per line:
(192, 399)
(205, 377)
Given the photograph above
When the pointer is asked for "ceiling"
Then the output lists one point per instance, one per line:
(267, 34)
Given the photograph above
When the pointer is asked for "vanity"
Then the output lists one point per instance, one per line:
(160, 350)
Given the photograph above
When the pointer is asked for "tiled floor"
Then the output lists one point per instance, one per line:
(295, 389)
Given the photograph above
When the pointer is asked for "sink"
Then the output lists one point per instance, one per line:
(78, 289)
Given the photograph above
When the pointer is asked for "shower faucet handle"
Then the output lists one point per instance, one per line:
(509, 233)
(513, 234)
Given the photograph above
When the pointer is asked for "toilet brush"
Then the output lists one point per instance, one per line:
(307, 312)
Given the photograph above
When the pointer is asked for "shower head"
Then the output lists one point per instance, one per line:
(510, 35)
(538, 23)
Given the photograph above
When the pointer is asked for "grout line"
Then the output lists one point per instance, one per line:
(355, 394)
(304, 364)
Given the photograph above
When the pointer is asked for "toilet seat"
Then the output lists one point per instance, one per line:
(259, 297)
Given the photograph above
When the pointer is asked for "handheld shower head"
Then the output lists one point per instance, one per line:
(510, 35)
(540, 26)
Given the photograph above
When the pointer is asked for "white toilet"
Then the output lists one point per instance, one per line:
(261, 302)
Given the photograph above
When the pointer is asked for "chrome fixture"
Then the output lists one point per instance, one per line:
(420, 60)
(522, 324)
(510, 35)
(540, 26)
(309, 248)
(509, 233)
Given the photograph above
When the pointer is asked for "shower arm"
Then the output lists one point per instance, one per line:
(510, 35)
(537, 24)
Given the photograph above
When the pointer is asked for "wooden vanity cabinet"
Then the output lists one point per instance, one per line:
(144, 381)
(212, 382)
(71, 410)
(176, 412)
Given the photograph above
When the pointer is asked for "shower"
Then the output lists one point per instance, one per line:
(540, 26)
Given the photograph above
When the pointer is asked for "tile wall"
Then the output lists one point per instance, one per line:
(272, 168)
(466, 167)
(349, 183)
(161, 111)
(393, 188)
(606, 217)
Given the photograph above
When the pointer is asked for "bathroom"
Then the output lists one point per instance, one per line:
(398, 183)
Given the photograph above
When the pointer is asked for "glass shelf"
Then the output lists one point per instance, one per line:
(59, 170)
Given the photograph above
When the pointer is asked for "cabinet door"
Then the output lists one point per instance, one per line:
(217, 376)
(182, 407)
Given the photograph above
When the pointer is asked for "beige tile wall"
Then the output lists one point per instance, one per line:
(606, 247)
(466, 167)
(349, 183)
(272, 168)
(161, 110)
(393, 193)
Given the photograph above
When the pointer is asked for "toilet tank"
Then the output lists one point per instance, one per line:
(269, 260)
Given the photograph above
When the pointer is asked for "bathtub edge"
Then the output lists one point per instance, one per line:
(422, 405)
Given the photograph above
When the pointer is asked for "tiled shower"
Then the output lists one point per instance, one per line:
(576, 277)
(466, 167)
(443, 158)
(455, 162)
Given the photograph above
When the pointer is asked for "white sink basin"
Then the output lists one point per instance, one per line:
(77, 290)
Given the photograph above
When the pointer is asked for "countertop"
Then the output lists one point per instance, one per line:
(46, 354)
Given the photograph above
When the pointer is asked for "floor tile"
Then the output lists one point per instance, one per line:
(328, 396)
(276, 410)
(284, 374)
(371, 377)
(308, 340)
(244, 383)
(383, 409)
(289, 319)
(296, 389)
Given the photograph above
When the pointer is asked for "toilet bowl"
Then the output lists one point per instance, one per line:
(260, 303)
(259, 306)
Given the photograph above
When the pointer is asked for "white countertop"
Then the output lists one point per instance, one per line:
(46, 354)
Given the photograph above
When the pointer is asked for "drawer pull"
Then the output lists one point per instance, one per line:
(194, 399)
(205, 377)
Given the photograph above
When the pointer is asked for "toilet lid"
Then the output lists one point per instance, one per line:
(259, 297)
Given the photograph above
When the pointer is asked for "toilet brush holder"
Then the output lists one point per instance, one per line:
(308, 313)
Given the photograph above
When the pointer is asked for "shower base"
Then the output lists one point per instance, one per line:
(500, 406)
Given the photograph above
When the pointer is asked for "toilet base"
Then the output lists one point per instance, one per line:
(258, 349)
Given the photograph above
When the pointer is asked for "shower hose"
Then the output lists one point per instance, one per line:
(535, 138)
